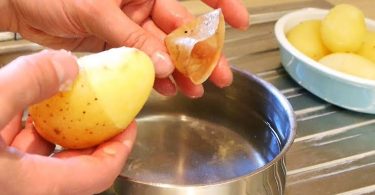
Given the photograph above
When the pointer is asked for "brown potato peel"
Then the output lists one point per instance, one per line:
(195, 47)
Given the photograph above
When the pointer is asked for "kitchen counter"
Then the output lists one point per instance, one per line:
(334, 150)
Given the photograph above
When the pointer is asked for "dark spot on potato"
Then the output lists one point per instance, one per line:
(96, 99)
(76, 139)
(64, 118)
(103, 124)
(82, 86)
(97, 124)
(57, 131)
(71, 120)
(84, 112)
(44, 121)
(186, 31)
(51, 114)
(88, 103)
(47, 105)
(63, 137)
(61, 109)
(91, 133)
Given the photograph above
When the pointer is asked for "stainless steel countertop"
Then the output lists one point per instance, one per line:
(334, 151)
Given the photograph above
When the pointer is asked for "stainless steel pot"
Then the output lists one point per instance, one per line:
(230, 142)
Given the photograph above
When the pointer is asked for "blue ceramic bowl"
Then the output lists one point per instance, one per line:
(338, 88)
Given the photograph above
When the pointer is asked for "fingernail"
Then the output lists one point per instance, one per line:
(169, 91)
(127, 143)
(66, 86)
(243, 28)
(224, 85)
(65, 67)
(166, 87)
(163, 64)
(109, 150)
(198, 93)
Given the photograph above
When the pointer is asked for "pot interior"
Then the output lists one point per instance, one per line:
(226, 134)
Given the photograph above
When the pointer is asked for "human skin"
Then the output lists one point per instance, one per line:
(26, 163)
(95, 25)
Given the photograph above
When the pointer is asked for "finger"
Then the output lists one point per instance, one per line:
(234, 11)
(138, 11)
(29, 141)
(31, 78)
(11, 129)
(80, 174)
(151, 27)
(222, 75)
(99, 170)
(170, 14)
(187, 87)
(165, 87)
(123, 31)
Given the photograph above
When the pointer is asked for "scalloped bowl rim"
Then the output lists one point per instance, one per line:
(314, 13)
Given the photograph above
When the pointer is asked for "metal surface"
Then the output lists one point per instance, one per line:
(231, 141)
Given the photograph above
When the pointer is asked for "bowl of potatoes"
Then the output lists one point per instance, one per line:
(331, 53)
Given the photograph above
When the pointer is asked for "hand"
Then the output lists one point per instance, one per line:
(27, 164)
(95, 25)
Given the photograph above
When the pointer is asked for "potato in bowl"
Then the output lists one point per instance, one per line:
(339, 88)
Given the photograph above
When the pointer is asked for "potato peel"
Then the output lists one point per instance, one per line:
(195, 47)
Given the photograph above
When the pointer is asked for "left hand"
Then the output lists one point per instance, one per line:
(26, 164)
(96, 25)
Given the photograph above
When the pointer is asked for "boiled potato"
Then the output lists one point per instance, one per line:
(343, 29)
(306, 38)
(111, 88)
(349, 63)
(367, 49)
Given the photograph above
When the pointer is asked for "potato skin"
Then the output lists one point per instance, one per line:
(306, 37)
(73, 119)
(367, 49)
(115, 81)
(343, 29)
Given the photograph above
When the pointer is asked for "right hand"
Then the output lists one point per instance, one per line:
(96, 25)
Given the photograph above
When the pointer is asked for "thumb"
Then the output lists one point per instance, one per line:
(32, 78)
(115, 27)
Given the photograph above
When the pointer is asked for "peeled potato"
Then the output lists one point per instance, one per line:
(111, 88)
(350, 64)
(343, 29)
(367, 49)
(306, 38)
(195, 47)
